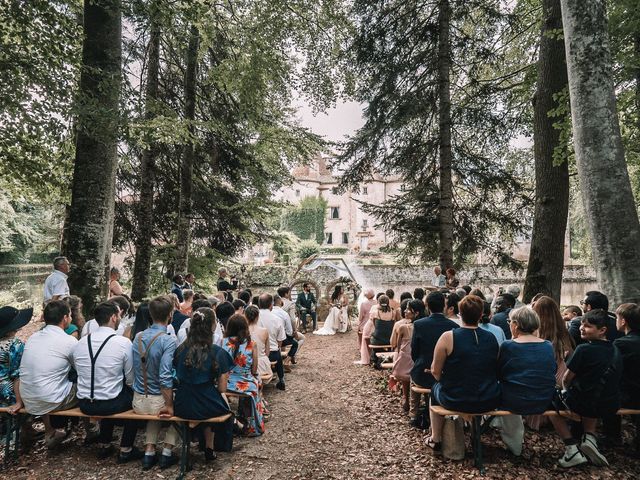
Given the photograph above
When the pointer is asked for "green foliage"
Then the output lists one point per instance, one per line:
(395, 58)
(307, 219)
(39, 56)
(27, 230)
(334, 250)
(284, 244)
(306, 248)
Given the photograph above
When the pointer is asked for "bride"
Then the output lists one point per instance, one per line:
(338, 318)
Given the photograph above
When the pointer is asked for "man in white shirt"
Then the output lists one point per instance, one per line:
(439, 279)
(288, 329)
(275, 327)
(55, 286)
(44, 370)
(123, 306)
(104, 362)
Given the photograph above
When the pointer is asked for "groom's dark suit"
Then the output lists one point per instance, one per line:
(306, 302)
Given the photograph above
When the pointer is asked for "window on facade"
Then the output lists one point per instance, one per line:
(328, 238)
(365, 224)
(345, 237)
(334, 214)
(365, 191)
(297, 193)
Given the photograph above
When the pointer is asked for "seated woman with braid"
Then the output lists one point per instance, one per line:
(202, 370)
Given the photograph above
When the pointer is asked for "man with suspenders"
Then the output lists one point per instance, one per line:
(153, 351)
(104, 363)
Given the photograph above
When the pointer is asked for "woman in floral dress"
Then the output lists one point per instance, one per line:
(243, 378)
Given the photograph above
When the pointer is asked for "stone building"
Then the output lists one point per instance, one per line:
(346, 226)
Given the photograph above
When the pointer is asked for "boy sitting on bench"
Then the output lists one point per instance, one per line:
(592, 389)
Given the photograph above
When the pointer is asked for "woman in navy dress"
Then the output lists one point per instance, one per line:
(202, 370)
(464, 363)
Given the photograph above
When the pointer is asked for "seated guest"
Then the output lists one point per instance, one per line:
(478, 293)
(186, 307)
(260, 336)
(243, 377)
(403, 364)
(277, 335)
(77, 318)
(394, 304)
(104, 364)
(140, 324)
(245, 296)
(628, 322)
(393, 341)
(383, 321)
(238, 305)
(11, 349)
(451, 310)
(467, 290)
(224, 310)
(44, 370)
(123, 307)
(153, 351)
(405, 296)
(418, 293)
(177, 317)
(184, 328)
(426, 332)
(526, 371)
(553, 329)
(504, 303)
(571, 312)
(592, 383)
(466, 374)
(594, 300)
(485, 323)
(288, 329)
(202, 370)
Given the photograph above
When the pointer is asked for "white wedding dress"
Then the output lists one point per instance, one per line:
(336, 321)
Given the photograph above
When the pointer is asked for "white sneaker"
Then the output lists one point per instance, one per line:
(572, 457)
(589, 447)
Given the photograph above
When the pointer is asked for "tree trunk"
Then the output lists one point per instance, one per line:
(186, 168)
(444, 122)
(144, 234)
(612, 219)
(546, 259)
(90, 226)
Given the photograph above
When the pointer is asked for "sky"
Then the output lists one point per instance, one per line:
(335, 123)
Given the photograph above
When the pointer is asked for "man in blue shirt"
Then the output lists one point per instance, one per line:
(153, 351)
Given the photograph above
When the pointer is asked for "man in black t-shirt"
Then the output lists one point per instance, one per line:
(592, 382)
(628, 322)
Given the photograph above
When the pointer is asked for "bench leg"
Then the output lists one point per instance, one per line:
(13, 430)
(184, 453)
(476, 443)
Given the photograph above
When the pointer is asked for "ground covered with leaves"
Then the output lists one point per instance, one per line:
(335, 420)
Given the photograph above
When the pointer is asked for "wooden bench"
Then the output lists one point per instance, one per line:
(185, 425)
(380, 347)
(419, 389)
(386, 366)
(480, 423)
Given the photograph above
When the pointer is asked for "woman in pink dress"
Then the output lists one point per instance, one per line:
(554, 329)
(403, 363)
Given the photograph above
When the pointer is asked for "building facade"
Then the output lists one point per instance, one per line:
(346, 225)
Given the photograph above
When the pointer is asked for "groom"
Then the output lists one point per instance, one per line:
(306, 304)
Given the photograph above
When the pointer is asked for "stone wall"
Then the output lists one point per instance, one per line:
(379, 276)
